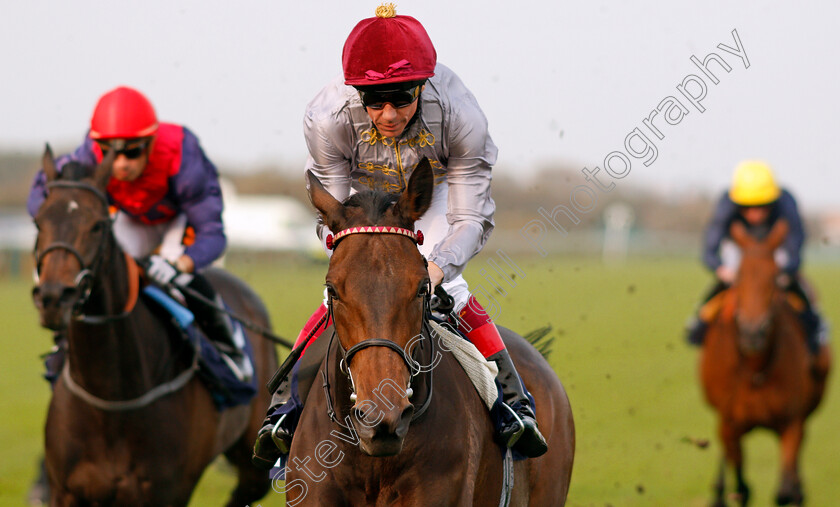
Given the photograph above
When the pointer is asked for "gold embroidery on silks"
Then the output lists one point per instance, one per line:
(368, 182)
(373, 136)
(423, 139)
(386, 186)
(384, 169)
(391, 188)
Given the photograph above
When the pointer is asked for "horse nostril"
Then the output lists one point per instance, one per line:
(53, 296)
(407, 413)
(68, 294)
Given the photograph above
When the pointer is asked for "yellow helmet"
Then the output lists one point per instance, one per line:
(753, 184)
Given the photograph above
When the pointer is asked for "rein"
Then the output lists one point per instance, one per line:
(141, 401)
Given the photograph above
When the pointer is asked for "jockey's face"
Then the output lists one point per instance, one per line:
(131, 159)
(755, 215)
(391, 121)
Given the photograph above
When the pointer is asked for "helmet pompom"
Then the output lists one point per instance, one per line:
(388, 10)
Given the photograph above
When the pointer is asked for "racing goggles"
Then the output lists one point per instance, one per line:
(131, 149)
(376, 97)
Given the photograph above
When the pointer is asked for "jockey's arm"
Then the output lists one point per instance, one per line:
(718, 228)
(470, 207)
(329, 162)
(200, 199)
(796, 232)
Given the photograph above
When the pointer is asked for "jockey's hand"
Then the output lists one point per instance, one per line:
(784, 280)
(266, 452)
(163, 273)
(435, 275)
(725, 274)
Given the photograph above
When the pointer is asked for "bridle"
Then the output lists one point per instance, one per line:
(84, 280)
(86, 276)
(415, 367)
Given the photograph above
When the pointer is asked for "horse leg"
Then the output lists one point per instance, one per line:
(790, 491)
(731, 438)
(720, 484)
(252, 483)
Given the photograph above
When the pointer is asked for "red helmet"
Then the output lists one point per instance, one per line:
(387, 49)
(123, 113)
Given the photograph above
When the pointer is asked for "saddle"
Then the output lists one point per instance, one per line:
(226, 389)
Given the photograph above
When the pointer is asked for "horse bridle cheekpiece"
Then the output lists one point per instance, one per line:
(83, 280)
(332, 241)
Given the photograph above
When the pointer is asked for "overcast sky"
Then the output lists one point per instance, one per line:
(557, 80)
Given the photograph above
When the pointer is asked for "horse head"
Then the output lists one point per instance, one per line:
(756, 287)
(74, 228)
(377, 285)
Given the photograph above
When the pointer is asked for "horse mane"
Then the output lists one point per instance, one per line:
(538, 339)
(74, 171)
(374, 203)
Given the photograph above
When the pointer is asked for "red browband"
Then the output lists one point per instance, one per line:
(417, 237)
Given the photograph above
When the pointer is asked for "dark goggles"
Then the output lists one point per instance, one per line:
(132, 149)
(399, 98)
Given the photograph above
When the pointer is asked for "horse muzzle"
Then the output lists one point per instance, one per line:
(753, 336)
(382, 432)
(55, 303)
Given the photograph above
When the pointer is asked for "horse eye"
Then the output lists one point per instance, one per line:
(331, 293)
(98, 227)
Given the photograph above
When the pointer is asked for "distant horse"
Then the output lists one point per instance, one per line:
(756, 369)
(129, 423)
(384, 430)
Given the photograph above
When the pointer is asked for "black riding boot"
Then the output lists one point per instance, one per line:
(228, 340)
(816, 329)
(522, 435)
(274, 438)
(697, 327)
(696, 331)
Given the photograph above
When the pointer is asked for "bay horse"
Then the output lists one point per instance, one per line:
(101, 448)
(384, 431)
(755, 367)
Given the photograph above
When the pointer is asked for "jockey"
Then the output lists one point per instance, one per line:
(368, 129)
(756, 200)
(163, 187)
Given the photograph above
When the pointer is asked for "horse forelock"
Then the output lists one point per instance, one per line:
(75, 171)
(374, 205)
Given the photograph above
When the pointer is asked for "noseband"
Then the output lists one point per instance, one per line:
(83, 281)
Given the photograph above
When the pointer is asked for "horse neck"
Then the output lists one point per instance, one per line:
(115, 359)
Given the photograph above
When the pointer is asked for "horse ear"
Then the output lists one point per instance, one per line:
(332, 211)
(102, 174)
(777, 234)
(738, 233)
(48, 163)
(417, 197)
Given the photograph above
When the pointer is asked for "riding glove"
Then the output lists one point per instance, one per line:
(164, 273)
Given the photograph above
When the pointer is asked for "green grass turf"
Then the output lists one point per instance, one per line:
(619, 350)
